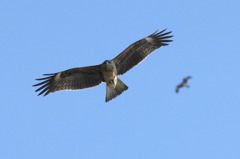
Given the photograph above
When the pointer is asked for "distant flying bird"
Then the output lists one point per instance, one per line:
(183, 84)
(86, 77)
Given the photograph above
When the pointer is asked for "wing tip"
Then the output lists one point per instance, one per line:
(44, 85)
(161, 38)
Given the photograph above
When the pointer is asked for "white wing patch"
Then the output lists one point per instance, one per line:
(149, 39)
(57, 77)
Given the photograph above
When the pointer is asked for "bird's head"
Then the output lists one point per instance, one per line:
(106, 62)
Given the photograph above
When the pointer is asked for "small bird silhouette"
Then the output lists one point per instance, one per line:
(183, 84)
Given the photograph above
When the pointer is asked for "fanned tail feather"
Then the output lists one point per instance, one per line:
(114, 92)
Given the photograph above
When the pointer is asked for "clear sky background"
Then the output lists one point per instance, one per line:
(149, 120)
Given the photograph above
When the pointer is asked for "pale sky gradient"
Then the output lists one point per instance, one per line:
(149, 120)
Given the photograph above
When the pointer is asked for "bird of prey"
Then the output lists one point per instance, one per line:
(183, 84)
(86, 77)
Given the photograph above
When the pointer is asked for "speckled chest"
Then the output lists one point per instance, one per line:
(108, 72)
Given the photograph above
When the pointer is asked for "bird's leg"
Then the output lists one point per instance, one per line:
(113, 82)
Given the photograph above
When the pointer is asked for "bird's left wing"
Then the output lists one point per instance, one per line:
(139, 50)
(177, 88)
(72, 79)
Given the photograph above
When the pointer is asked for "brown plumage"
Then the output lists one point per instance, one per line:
(85, 77)
(183, 84)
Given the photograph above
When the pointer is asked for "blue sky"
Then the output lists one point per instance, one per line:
(149, 120)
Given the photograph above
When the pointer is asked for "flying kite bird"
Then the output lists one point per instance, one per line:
(183, 84)
(86, 77)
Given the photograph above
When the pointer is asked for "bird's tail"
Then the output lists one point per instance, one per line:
(113, 92)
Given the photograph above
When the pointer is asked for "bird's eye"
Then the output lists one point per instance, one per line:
(106, 62)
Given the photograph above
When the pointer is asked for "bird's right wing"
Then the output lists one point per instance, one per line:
(72, 79)
(185, 80)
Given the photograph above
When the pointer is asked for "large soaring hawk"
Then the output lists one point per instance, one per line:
(85, 77)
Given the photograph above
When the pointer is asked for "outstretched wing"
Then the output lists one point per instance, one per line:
(185, 80)
(72, 79)
(139, 50)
